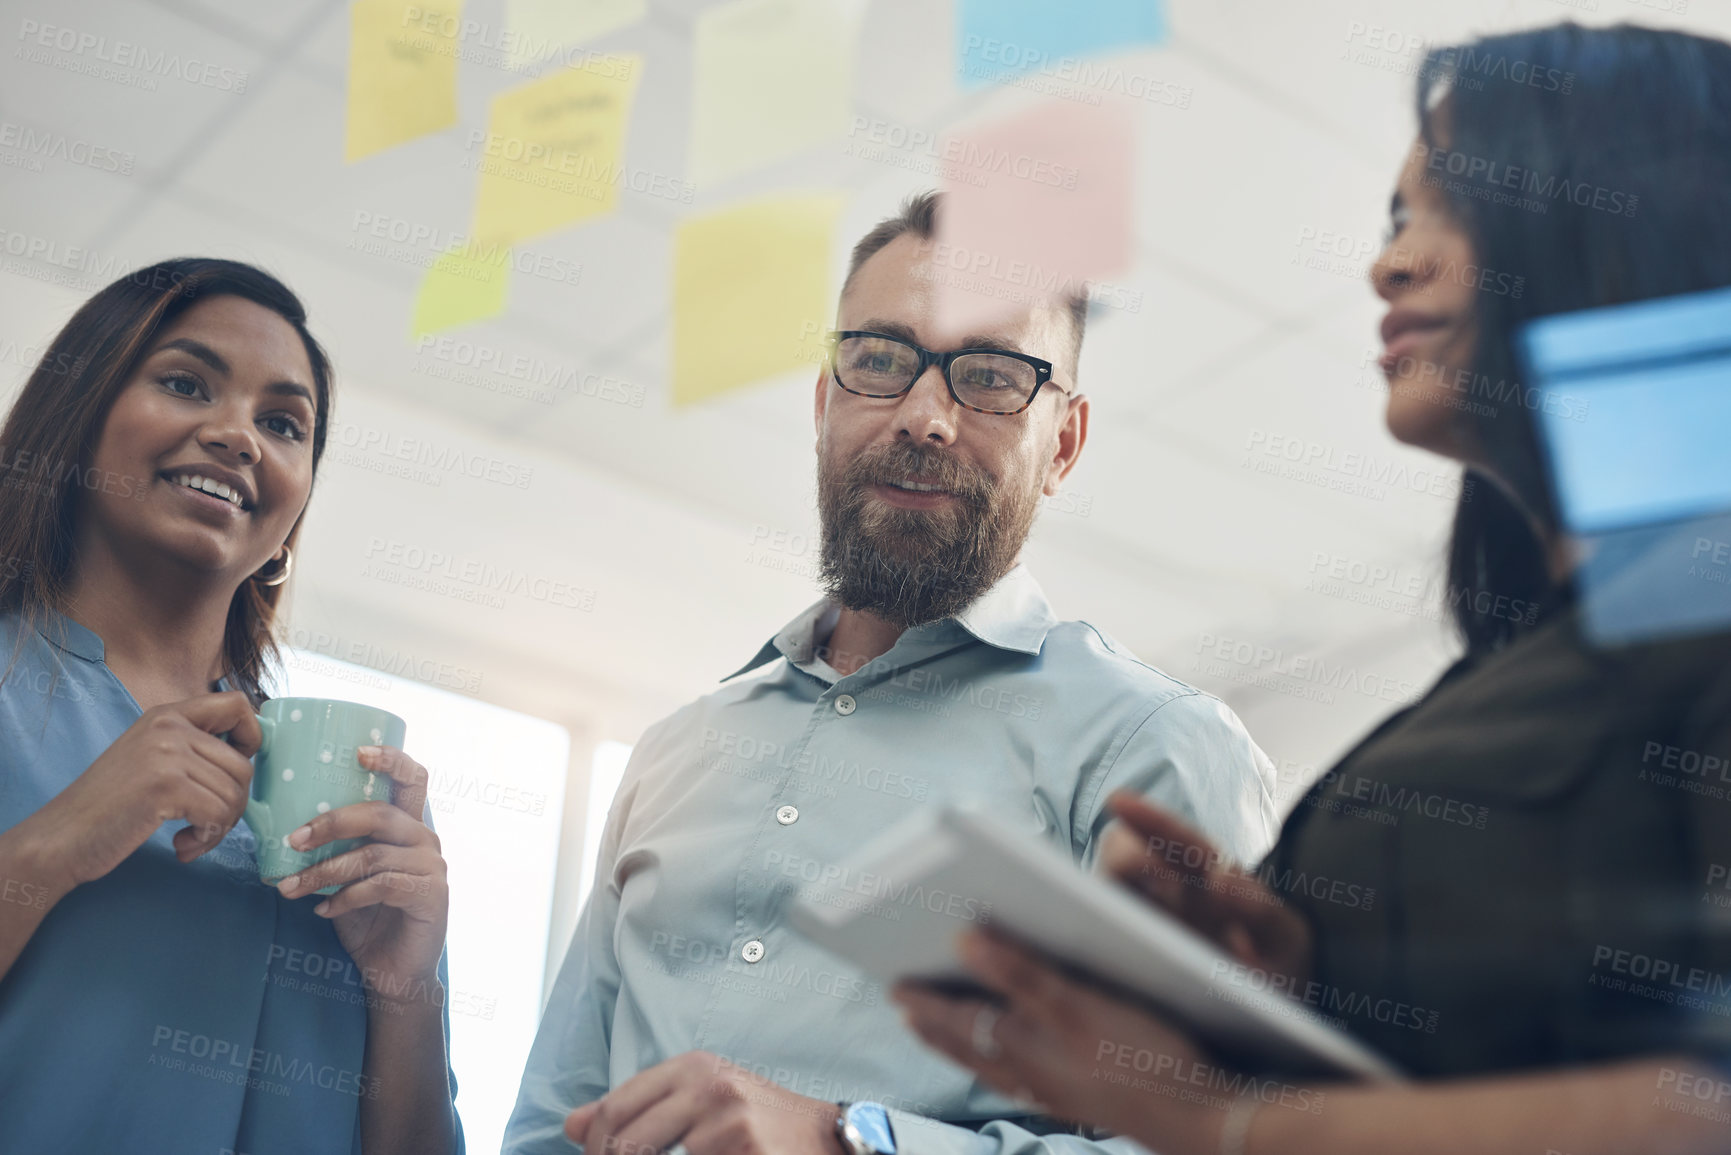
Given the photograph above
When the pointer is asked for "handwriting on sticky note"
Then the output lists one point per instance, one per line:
(551, 154)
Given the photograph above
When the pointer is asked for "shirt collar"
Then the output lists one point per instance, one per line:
(63, 633)
(1013, 615)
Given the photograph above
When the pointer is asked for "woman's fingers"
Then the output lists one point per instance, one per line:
(405, 872)
(1031, 984)
(237, 767)
(226, 713)
(1124, 856)
(400, 889)
(410, 795)
(380, 821)
(1156, 853)
(967, 1030)
(1164, 833)
(205, 801)
(1141, 814)
(1179, 869)
(1165, 837)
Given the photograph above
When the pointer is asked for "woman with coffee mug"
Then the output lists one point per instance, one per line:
(154, 995)
(1543, 945)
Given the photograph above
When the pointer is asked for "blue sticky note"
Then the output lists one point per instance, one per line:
(998, 39)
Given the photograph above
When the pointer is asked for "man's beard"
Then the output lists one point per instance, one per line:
(911, 566)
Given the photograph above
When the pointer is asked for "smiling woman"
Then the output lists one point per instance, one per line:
(132, 351)
(154, 994)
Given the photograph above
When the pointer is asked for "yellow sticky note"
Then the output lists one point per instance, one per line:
(402, 72)
(552, 152)
(769, 77)
(464, 285)
(751, 293)
(537, 28)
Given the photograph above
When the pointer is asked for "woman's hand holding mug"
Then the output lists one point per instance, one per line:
(169, 765)
(192, 761)
(393, 901)
(337, 807)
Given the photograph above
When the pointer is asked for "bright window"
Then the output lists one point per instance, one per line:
(497, 795)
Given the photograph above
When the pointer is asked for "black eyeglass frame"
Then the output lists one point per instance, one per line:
(1042, 369)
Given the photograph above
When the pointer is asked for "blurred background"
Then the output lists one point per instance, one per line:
(532, 540)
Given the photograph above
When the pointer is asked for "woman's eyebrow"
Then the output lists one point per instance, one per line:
(200, 350)
(294, 388)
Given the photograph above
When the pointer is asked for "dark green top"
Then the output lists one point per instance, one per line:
(1529, 866)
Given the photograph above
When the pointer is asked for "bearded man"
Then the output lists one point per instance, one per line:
(688, 1016)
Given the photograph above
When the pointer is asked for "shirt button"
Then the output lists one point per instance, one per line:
(787, 815)
(844, 704)
(751, 951)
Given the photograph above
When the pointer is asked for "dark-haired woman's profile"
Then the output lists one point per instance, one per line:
(154, 995)
(1545, 951)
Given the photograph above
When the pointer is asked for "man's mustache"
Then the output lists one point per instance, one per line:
(900, 463)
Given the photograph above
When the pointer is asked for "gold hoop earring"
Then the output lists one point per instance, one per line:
(282, 575)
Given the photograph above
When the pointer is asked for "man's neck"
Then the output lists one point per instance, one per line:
(858, 637)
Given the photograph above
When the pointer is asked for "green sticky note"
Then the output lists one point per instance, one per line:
(464, 285)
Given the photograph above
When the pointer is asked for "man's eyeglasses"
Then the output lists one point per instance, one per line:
(984, 380)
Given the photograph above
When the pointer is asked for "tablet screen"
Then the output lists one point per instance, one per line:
(1634, 417)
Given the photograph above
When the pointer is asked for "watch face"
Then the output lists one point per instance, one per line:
(873, 1124)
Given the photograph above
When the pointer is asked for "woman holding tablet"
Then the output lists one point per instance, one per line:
(154, 995)
(1545, 951)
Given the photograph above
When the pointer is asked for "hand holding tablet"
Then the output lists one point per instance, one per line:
(898, 909)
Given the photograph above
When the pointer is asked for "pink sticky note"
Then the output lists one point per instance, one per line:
(1036, 206)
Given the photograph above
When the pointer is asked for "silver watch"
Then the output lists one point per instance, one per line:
(864, 1129)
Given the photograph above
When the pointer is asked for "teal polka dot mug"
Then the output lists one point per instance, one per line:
(308, 765)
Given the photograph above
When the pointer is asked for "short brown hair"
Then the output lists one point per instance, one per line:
(919, 216)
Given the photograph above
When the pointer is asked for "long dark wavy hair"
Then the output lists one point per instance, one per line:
(51, 432)
(1612, 149)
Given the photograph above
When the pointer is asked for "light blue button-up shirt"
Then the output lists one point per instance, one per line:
(166, 1008)
(729, 806)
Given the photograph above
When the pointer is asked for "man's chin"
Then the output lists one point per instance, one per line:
(910, 549)
(903, 528)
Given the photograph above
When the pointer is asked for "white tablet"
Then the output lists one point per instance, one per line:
(897, 908)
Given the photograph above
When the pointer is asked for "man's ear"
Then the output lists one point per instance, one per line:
(1072, 436)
